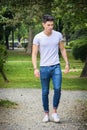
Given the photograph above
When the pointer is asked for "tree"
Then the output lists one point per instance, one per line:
(73, 15)
(3, 56)
(79, 51)
(6, 16)
(31, 14)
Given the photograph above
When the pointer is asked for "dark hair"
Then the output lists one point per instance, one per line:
(47, 17)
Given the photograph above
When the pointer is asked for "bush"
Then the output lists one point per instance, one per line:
(80, 51)
(68, 47)
(79, 33)
(81, 40)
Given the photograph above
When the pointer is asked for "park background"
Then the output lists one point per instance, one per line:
(21, 20)
(20, 91)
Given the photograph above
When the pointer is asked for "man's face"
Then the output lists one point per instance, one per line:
(48, 26)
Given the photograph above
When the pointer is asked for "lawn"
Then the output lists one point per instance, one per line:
(19, 71)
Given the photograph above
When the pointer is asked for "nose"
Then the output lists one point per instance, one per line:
(51, 26)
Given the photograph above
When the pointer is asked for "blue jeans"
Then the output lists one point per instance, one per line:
(54, 73)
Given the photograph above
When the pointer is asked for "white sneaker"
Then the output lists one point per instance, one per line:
(55, 117)
(46, 118)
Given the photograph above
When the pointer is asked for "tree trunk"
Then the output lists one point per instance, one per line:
(7, 43)
(3, 75)
(12, 38)
(84, 71)
(29, 47)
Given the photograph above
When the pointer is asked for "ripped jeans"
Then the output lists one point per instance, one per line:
(47, 73)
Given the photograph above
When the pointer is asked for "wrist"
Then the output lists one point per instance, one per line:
(35, 68)
(67, 63)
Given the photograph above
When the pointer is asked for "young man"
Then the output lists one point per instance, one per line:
(48, 43)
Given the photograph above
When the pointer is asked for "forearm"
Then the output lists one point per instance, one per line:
(64, 55)
(34, 61)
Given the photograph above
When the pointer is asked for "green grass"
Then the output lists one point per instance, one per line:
(18, 55)
(20, 74)
(19, 71)
(75, 83)
(7, 104)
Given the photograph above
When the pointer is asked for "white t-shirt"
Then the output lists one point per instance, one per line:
(48, 47)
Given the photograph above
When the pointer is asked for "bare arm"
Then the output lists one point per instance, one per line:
(64, 55)
(34, 59)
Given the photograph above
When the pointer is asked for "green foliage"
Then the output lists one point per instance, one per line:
(79, 48)
(81, 40)
(81, 33)
(73, 13)
(6, 15)
(70, 16)
(21, 32)
(3, 55)
(7, 103)
(73, 16)
(68, 47)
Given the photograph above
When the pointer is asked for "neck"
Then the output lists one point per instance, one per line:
(47, 33)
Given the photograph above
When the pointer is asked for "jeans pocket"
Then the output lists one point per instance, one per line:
(58, 70)
(43, 73)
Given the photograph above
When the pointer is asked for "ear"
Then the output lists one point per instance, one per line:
(43, 24)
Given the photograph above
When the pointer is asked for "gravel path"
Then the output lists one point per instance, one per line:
(29, 114)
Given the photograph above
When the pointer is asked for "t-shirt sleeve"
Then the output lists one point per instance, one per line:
(36, 40)
(61, 37)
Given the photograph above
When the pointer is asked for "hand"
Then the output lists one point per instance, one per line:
(37, 73)
(67, 67)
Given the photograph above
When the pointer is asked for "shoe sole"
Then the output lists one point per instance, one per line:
(55, 121)
(46, 121)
